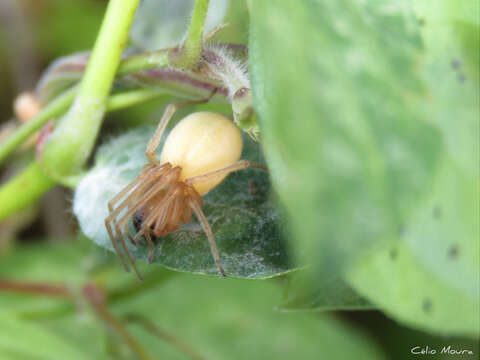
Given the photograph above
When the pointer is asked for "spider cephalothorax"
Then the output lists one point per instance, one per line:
(198, 154)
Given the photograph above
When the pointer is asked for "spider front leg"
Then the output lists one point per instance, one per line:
(131, 194)
(167, 115)
(195, 201)
(114, 210)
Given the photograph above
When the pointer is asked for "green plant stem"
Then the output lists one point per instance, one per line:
(61, 103)
(24, 189)
(58, 106)
(130, 98)
(144, 61)
(190, 52)
(70, 145)
(32, 182)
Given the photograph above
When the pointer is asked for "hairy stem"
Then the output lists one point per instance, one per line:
(190, 52)
(70, 145)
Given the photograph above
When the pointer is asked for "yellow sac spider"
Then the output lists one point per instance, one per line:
(200, 151)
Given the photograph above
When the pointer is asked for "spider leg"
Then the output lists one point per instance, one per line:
(187, 212)
(126, 189)
(123, 221)
(167, 115)
(239, 165)
(148, 221)
(142, 201)
(162, 212)
(113, 212)
(125, 249)
(140, 189)
(151, 245)
(113, 239)
(194, 201)
(126, 231)
(144, 231)
(208, 231)
(165, 180)
(176, 212)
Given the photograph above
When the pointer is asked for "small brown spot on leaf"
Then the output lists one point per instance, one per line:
(453, 251)
(456, 64)
(393, 254)
(427, 305)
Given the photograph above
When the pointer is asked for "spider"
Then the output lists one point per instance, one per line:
(200, 151)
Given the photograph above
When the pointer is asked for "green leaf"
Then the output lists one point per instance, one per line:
(45, 264)
(60, 75)
(398, 341)
(396, 281)
(243, 218)
(300, 294)
(81, 328)
(431, 280)
(451, 34)
(64, 27)
(72, 263)
(233, 319)
(52, 262)
(21, 339)
(160, 24)
(336, 88)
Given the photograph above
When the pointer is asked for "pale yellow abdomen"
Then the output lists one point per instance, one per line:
(200, 143)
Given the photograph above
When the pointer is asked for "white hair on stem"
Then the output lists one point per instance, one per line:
(232, 71)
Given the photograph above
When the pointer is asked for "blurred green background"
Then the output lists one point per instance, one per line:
(215, 318)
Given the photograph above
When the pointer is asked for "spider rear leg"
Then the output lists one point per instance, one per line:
(144, 180)
(126, 217)
(195, 201)
(197, 209)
